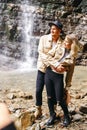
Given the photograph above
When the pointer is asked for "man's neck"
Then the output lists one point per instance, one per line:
(55, 39)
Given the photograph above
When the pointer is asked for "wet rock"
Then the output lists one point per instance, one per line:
(75, 3)
(78, 96)
(83, 109)
(36, 126)
(77, 117)
(25, 120)
(85, 47)
(11, 96)
(72, 110)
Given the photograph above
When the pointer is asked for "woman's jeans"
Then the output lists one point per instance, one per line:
(40, 82)
(55, 88)
(54, 84)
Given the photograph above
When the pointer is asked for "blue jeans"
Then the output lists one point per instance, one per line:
(55, 89)
(40, 82)
(39, 87)
(54, 84)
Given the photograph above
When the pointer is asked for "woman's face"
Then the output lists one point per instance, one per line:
(67, 43)
(55, 32)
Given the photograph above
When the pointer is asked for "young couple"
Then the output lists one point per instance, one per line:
(55, 57)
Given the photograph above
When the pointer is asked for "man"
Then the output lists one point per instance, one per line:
(45, 44)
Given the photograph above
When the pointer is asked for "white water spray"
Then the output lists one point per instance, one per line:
(27, 19)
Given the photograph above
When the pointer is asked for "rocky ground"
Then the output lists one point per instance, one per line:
(17, 89)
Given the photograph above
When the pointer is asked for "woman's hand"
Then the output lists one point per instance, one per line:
(59, 69)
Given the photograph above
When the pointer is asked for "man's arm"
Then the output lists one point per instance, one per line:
(41, 48)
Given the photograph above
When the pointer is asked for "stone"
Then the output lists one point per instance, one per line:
(25, 120)
(83, 109)
(77, 117)
(11, 96)
(36, 126)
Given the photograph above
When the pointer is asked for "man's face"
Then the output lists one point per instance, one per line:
(55, 31)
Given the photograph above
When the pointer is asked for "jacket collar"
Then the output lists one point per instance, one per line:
(50, 39)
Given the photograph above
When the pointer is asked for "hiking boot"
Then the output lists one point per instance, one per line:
(66, 121)
(38, 112)
(51, 120)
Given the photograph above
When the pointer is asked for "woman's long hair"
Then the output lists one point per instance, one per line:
(74, 44)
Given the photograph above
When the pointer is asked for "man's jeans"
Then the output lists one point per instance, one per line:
(39, 87)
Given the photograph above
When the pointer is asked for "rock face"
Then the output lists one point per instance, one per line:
(15, 15)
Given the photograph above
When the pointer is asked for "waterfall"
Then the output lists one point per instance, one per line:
(18, 45)
(29, 44)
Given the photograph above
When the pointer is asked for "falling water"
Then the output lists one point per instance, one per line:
(20, 55)
(29, 45)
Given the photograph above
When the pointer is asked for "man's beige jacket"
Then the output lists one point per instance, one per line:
(45, 45)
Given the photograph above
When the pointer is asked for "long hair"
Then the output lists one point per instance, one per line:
(74, 44)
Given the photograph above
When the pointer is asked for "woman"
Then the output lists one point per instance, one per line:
(62, 55)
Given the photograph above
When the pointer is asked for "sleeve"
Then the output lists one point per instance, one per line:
(49, 58)
(42, 55)
(45, 57)
(66, 61)
(41, 48)
(11, 126)
(74, 50)
(70, 59)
